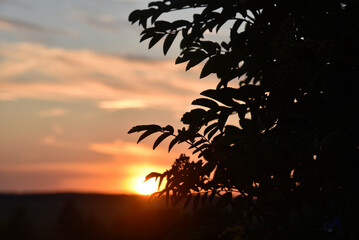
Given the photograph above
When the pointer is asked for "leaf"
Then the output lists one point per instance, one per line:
(248, 91)
(235, 27)
(204, 153)
(143, 22)
(220, 24)
(155, 39)
(194, 116)
(146, 35)
(160, 139)
(205, 102)
(146, 134)
(223, 116)
(225, 46)
(199, 149)
(169, 128)
(155, 15)
(210, 127)
(180, 23)
(208, 168)
(197, 57)
(168, 42)
(223, 95)
(157, 4)
(140, 128)
(134, 16)
(197, 143)
(209, 67)
(211, 133)
(161, 180)
(210, 47)
(173, 142)
(152, 175)
(162, 26)
(181, 60)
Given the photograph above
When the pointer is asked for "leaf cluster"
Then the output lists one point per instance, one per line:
(288, 76)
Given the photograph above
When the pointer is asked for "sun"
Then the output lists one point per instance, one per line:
(146, 188)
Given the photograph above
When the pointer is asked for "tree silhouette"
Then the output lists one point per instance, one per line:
(288, 74)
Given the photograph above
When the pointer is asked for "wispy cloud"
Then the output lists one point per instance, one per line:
(106, 22)
(12, 24)
(129, 153)
(116, 82)
(122, 104)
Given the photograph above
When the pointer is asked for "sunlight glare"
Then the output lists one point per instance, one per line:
(146, 188)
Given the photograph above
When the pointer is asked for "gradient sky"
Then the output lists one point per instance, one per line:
(73, 80)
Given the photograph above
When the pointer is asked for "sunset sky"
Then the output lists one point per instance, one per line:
(73, 80)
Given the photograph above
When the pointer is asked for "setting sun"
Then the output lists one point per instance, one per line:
(146, 188)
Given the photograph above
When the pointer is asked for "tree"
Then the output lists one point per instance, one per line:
(288, 73)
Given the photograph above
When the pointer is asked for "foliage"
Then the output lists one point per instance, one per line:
(288, 72)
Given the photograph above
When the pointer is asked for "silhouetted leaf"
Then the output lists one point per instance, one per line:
(209, 67)
(155, 39)
(168, 42)
(223, 116)
(180, 23)
(147, 133)
(197, 143)
(205, 102)
(210, 127)
(200, 148)
(195, 59)
(235, 27)
(152, 175)
(157, 4)
(224, 95)
(160, 139)
(212, 132)
(160, 181)
(194, 116)
(169, 128)
(173, 142)
(140, 128)
(162, 26)
(134, 16)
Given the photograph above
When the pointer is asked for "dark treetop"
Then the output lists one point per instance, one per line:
(288, 76)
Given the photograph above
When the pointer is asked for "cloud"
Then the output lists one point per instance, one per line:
(122, 104)
(102, 22)
(35, 71)
(11, 24)
(129, 153)
(130, 161)
(53, 112)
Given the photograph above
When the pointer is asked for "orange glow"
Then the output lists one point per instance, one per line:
(146, 188)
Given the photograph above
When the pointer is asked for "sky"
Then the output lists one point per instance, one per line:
(73, 80)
